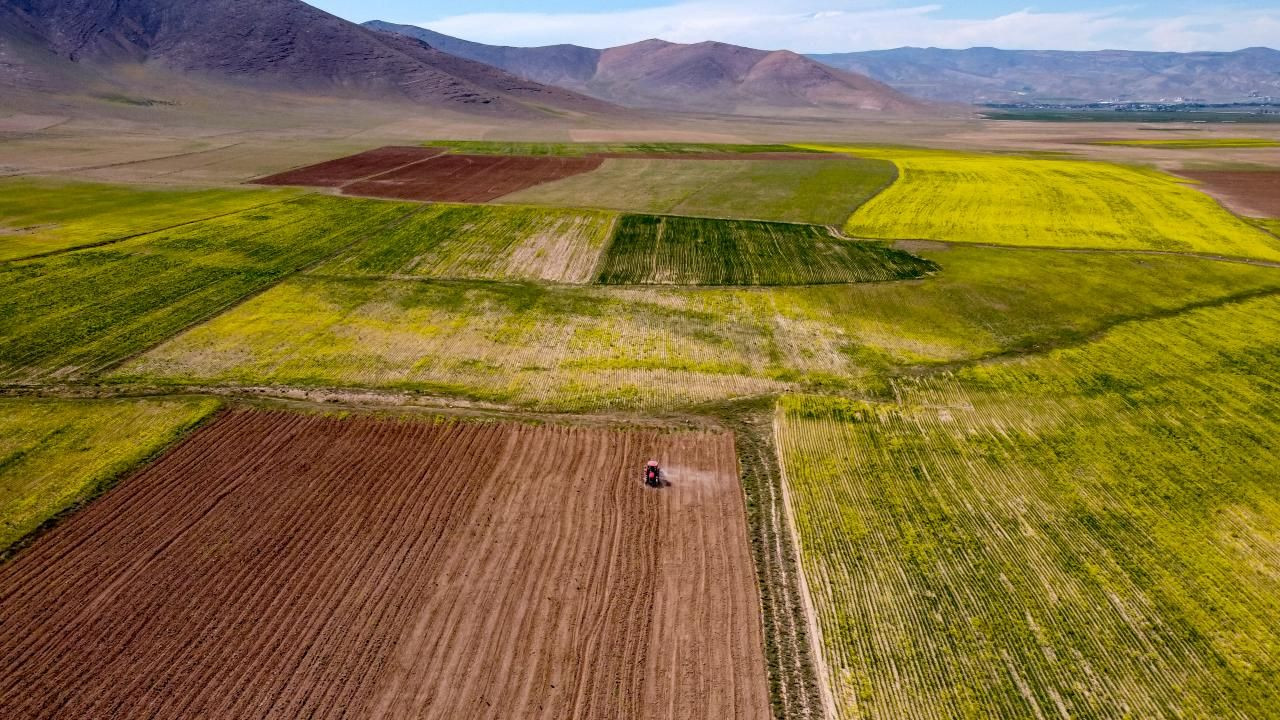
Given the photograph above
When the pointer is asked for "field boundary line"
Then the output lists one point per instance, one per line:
(113, 241)
(108, 484)
(806, 601)
(215, 312)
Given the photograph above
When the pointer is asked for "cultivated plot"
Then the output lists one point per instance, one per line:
(82, 311)
(1085, 534)
(1050, 202)
(822, 190)
(469, 178)
(279, 565)
(57, 453)
(1253, 192)
(339, 172)
(672, 250)
(504, 147)
(46, 216)
(1194, 143)
(578, 348)
(483, 242)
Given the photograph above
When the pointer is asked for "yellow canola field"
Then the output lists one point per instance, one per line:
(1048, 202)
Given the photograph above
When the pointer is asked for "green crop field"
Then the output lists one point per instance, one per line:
(564, 149)
(1043, 202)
(1092, 533)
(821, 191)
(82, 311)
(1195, 143)
(57, 453)
(484, 242)
(671, 250)
(44, 216)
(589, 347)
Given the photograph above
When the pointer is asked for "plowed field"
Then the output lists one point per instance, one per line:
(339, 172)
(1254, 192)
(470, 178)
(284, 566)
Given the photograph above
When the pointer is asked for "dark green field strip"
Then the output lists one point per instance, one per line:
(668, 250)
(80, 312)
(498, 147)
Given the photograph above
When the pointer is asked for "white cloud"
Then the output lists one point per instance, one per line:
(844, 25)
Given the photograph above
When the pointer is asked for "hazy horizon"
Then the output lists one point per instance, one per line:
(827, 26)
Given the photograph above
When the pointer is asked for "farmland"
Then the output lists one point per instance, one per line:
(671, 250)
(57, 453)
(81, 312)
(1195, 143)
(1086, 533)
(586, 348)
(46, 216)
(558, 149)
(310, 566)
(1251, 192)
(822, 190)
(339, 172)
(1049, 202)
(469, 178)
(498, 243)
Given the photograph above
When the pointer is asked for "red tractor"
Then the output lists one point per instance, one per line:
(653, 475)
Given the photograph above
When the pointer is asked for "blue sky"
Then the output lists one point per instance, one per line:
(842, 25)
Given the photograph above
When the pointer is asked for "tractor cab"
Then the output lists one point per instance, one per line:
(653, 474)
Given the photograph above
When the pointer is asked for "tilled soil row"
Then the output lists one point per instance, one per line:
(278, 565)
(1254, 192)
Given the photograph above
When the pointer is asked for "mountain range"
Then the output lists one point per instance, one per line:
(284, 44)
(706, 76)
(989, 75)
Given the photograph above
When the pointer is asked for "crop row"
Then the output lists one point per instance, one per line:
(82, 311)
(1084, 534)
(483, 242)
(648, 249)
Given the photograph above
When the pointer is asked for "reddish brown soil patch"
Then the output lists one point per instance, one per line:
(470, 178)
(284, 566)
(1247, 192)
(336, 173)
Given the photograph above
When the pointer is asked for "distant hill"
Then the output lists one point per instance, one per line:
(979, 75)
(708, 76)
(284, 44)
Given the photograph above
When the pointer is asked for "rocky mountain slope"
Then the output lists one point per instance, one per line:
(708, 76)
(284, 44)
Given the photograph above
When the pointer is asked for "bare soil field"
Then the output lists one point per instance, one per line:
(339, 172)
(280, 565)
(1255, 193)
(470, 178)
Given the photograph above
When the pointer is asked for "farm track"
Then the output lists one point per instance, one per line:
(287, 565)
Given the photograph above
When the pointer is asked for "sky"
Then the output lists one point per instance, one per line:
(815, 26)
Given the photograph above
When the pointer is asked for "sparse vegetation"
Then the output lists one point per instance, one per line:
(668, 250)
